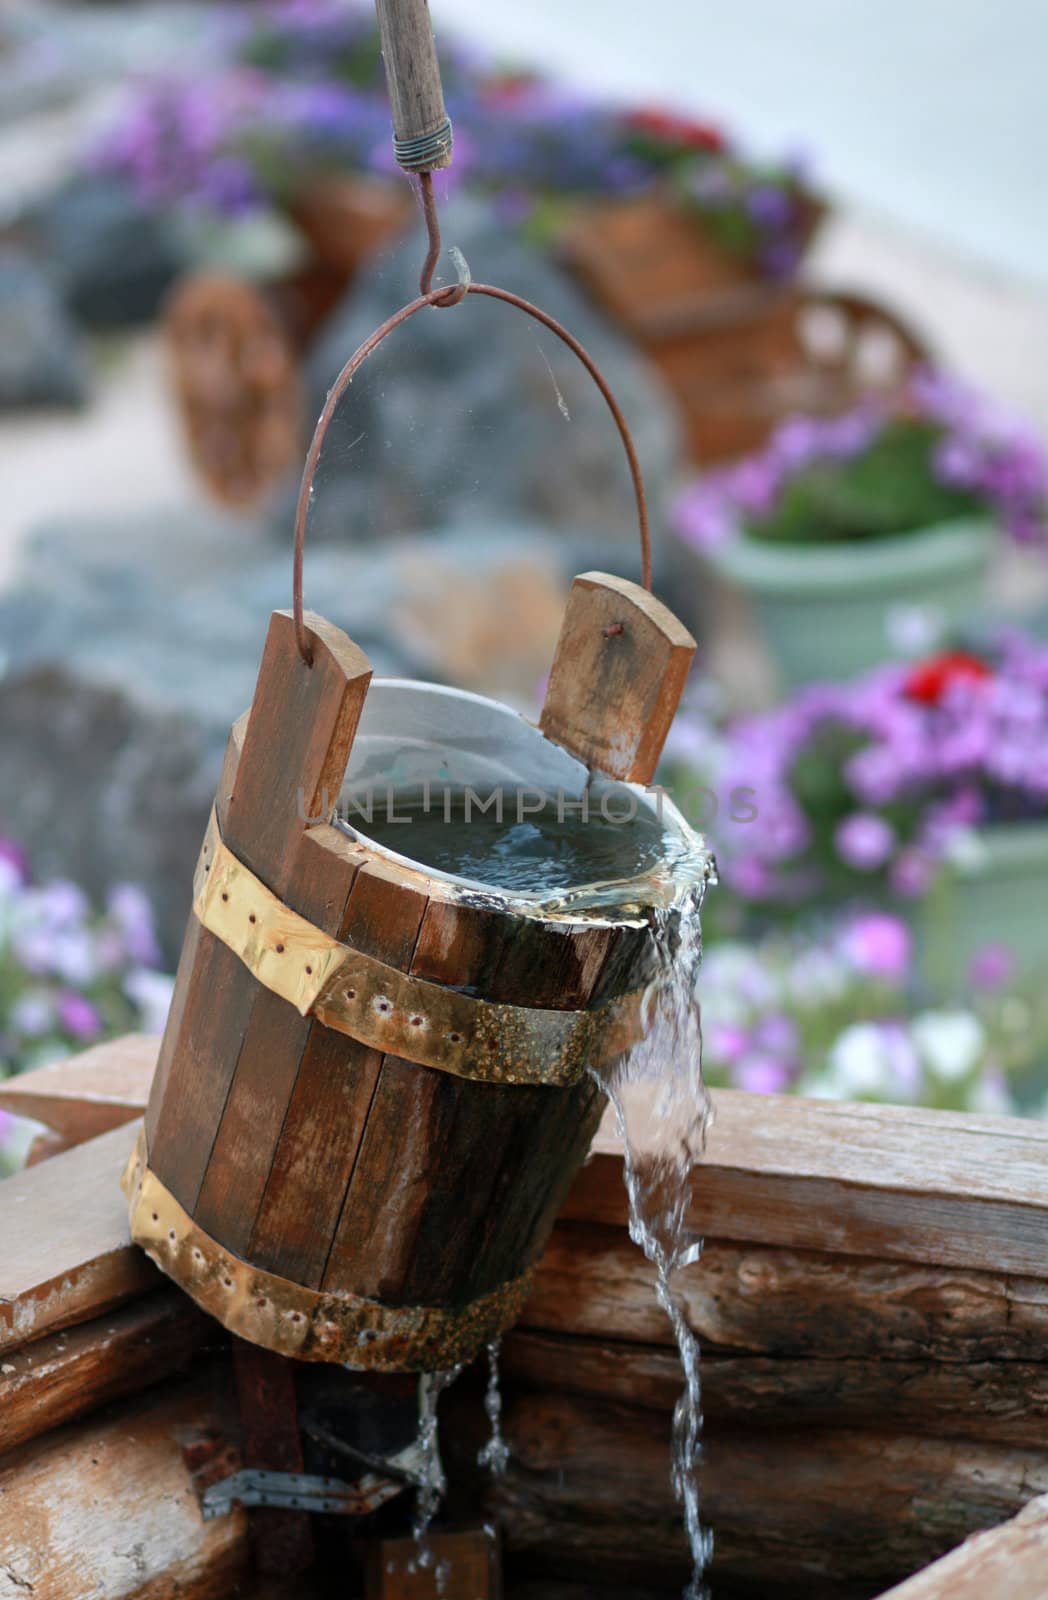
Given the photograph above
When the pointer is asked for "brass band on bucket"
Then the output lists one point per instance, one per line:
(353, 993)
(308, 1324)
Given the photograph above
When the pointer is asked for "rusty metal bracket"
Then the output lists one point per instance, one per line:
(303, 1491)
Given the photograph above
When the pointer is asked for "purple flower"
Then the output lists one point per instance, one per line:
(78, 1016)
(62, 905)
(129, 908)
(769, 207)
(725, 1042)
(911, 874)
(878, 945)
(14, 857)
(704, 517)
(864, 841)
(992, 966)
(761, 1075)
(778, 1036)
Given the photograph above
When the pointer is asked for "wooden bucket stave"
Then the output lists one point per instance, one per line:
(321, 1195)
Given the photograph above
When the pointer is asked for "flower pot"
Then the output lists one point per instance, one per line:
(347, 219)
(649, 257)
(995, 893)
(835, 610)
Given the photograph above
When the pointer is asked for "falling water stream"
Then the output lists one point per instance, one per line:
(663, 1113)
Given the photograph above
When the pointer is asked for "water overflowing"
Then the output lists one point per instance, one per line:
(663, 1113)
(495, 1454)
(544, 852)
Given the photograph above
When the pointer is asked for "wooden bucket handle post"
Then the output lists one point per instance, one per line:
(293, 746)
(620, 667)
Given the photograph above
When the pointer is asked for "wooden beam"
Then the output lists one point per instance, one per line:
(1006, 1563)
(64, 1375)
(65, 1250)
(110, 1509)
(897, 1182)
(592, 1281)
(1003, 1401)
(810, 1511)
(88, 1094)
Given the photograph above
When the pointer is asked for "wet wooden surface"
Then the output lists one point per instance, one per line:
(88, 1094)
(65, 1251)
(108, 1508)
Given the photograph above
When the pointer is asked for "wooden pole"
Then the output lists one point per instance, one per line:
(421, 128)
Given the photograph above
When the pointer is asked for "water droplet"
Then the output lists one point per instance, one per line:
(495, 1454)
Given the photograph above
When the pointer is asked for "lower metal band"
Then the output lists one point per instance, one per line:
(308, 1324)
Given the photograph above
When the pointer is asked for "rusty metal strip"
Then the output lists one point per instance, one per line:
(353, 993)
(308, 1324)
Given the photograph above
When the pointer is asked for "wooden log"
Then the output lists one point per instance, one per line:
(587, 1495)
(1004, 1401)
(464, 1563)
(65, 1251)
(896, 1182)
(925, 1179)
(85, 1095)
(617, 677)
(1006, 1563)
(281, 1538)
(767, 1300)
(110, 1509)
(58, 1378)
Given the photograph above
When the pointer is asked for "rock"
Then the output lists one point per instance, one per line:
(132, 645)
(476, 412)
(116, 259)
(101, 789)
(42, 358)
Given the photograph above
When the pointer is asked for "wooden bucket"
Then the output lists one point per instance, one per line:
(373, 1094)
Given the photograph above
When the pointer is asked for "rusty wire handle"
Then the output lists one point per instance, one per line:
(445, 296)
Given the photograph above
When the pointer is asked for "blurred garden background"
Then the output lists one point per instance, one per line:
(808, 250)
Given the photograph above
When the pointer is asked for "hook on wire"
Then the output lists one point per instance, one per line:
(455, 293)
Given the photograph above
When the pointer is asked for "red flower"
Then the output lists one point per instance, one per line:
(684, 131)
(929, 681)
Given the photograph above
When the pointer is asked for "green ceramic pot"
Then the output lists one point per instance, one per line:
(997, 894)
(830, 611)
